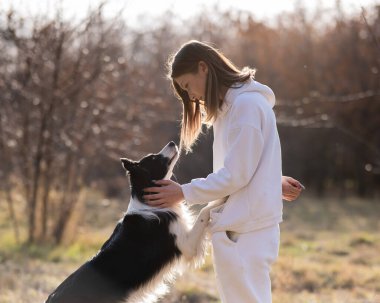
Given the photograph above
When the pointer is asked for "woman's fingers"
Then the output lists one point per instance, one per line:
(294, 183)
(289, 197)
(292, 190)
(167, 195)
(298, 184)
(154, 189)
(296, 191)
(152, 197)
(160, 188)
(291, 194)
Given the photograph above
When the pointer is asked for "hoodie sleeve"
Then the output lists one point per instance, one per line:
(246, 143)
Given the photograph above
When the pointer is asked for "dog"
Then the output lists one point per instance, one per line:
(148, 248)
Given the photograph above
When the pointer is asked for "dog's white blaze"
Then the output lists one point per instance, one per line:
(169, 152)
(147, 211)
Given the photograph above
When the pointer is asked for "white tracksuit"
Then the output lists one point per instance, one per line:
(246, 171)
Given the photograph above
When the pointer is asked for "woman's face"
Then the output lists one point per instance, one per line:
(194, 84)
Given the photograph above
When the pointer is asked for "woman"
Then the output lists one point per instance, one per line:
(246, 168)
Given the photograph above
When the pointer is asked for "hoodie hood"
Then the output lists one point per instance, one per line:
(249, 86)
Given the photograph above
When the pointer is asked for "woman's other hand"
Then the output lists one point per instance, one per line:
(291, 188)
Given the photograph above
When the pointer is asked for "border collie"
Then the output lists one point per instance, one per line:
(148, 247)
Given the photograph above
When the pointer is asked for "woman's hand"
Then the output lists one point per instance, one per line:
(291, 188)
(169, 194)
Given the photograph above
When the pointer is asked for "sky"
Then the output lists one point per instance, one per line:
(134, 10)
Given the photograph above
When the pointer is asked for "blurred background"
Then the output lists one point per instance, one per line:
(83, 83)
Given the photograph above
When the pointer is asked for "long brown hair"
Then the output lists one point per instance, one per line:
(221, 73)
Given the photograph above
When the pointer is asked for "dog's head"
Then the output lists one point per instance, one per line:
(152, 167)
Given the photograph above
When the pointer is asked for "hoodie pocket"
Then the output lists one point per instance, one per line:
(232, 236)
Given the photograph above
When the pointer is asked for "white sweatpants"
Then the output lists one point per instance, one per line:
(242, 263)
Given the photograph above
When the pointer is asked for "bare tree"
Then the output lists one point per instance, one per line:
(57, 84)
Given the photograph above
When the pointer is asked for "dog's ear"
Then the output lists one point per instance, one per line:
(128, 164)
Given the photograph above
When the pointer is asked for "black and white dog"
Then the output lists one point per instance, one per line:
(148, 247)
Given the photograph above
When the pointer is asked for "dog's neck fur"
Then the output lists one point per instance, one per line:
(137, 206)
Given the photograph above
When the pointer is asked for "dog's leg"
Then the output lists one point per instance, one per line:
(194, 237)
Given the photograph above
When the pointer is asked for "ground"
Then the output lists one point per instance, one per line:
(329, 254)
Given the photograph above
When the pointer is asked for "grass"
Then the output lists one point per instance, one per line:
(329, 254)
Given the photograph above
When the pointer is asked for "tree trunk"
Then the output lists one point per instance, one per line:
(12, 213)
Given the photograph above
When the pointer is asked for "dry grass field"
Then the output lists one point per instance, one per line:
(330, 253)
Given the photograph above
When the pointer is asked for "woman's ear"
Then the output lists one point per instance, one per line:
(202, 67)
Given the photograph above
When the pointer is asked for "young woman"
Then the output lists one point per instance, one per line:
(246, 168)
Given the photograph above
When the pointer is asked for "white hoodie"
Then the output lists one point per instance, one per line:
(246, 163)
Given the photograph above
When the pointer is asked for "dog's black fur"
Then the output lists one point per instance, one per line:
(137, 251)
